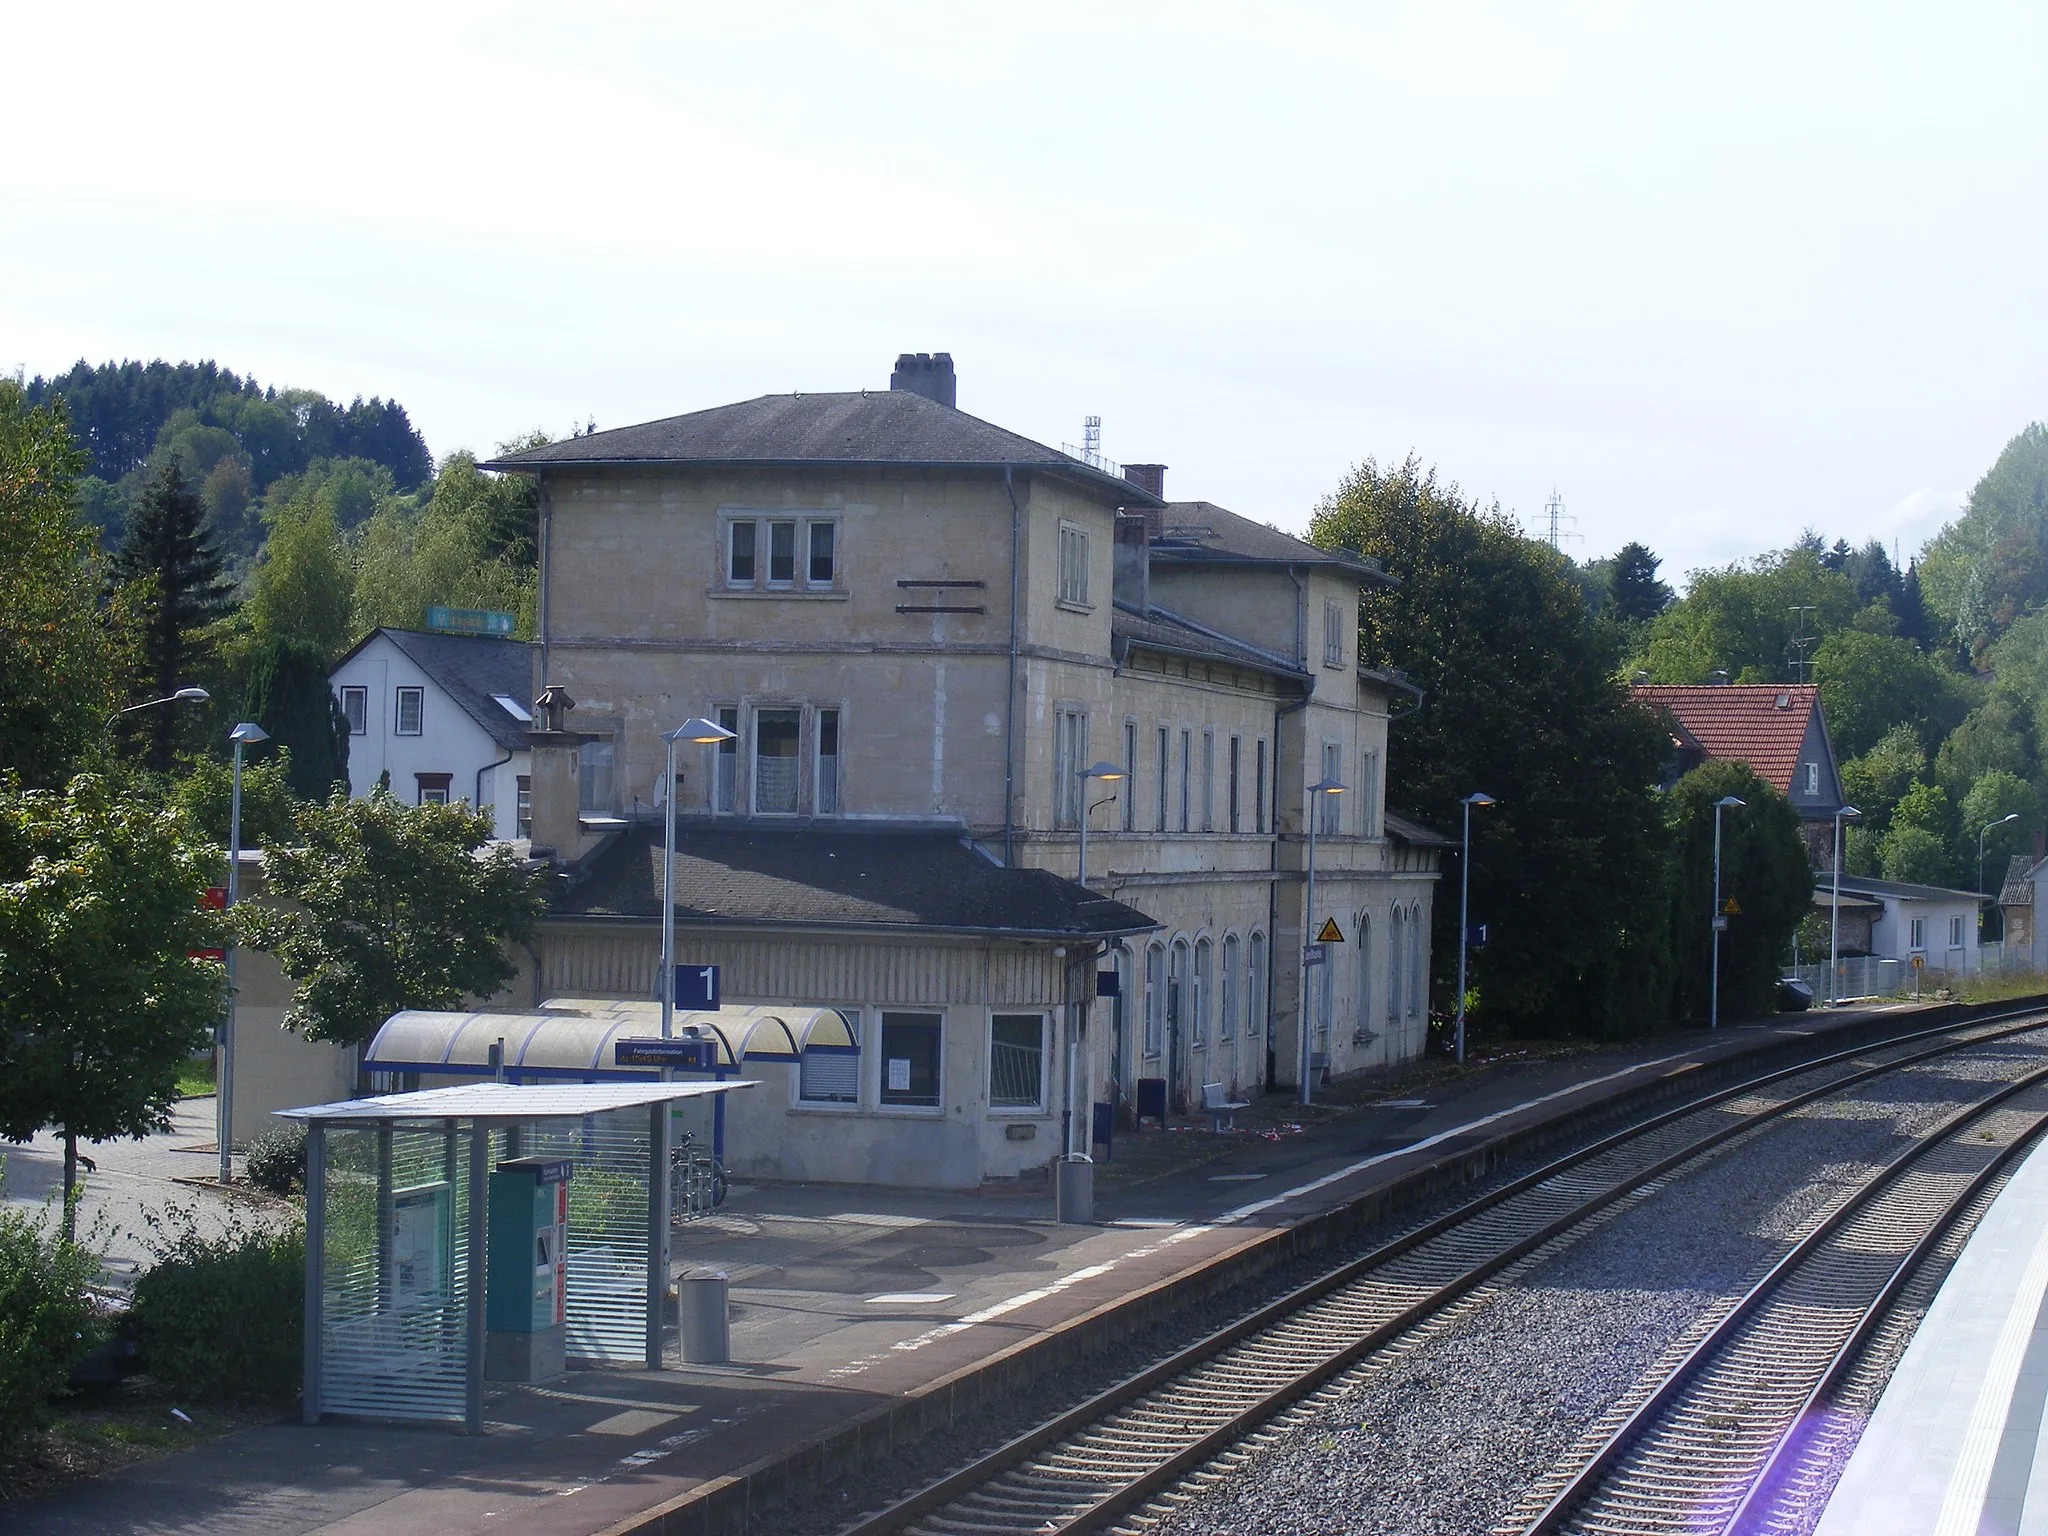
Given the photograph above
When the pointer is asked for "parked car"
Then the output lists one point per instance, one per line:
(1794, 995)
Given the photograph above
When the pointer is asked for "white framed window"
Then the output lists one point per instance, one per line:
(829, 1075)
(1330, 808)
(1813, 778)
(596, 768)
(1235, 763)
(827, 779)
(1016, 1061)
(1178, 963)
(355, 708)
(1955, 933)
(775, 761)
(726, 770)
(1326, 1001)
(411, 711)
(1255, 985)
(522, 813)
(1198, 996)
(1333, 634)
(1394, 966)
(781, 553)
(1917, 934)
(1128, 790)
(1369, 795)
(913, 1060)
(1155, 997)
(433, 787)
(1231, 993)
(1073, 565)
(1161, 780)
(1069, 757)
(1364, 961)
(1259, 791)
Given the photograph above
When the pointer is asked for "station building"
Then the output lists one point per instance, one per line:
(923, 630)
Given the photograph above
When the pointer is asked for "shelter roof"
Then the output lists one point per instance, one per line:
(2018, 889)
(1897, 890)
(576, 1037)
(890, 428)
(509, 1102)
(473, 670)
(1761, 724)
(1202, 533)
(1414, 833)
(817, 876)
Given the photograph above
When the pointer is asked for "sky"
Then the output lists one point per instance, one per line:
(1711, 274)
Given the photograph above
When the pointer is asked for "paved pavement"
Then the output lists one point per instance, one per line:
(844, 1299)
(1955, 1446)
(133, 1179)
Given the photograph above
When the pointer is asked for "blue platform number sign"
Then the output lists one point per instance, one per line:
(1475, 935)
(697, 987)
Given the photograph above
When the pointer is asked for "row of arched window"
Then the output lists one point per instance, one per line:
(1183, 982)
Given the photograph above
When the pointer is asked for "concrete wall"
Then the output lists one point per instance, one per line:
(449, 742)
(1891, 934)
(275, 1068)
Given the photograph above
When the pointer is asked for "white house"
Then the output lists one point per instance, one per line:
(1932, 922)
(446, 716)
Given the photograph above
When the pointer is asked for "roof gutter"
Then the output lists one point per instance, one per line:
(1121, 491)
(478, 802)
(868, 930)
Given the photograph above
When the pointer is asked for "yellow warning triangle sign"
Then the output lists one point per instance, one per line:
(1732, 907)
(1331, 933)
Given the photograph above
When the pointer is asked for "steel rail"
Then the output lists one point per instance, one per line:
(1161, 1471)
(1643, 1423)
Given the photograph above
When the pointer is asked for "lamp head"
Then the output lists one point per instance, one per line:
(2014, 816)
(247, 734)
(1102, 771)
(1728, 802)
(1326, 787)
(1848, 813)
(704, 732)
(1479, 797)
(191, 696)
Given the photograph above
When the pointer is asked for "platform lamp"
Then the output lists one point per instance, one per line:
(1720, 921)
(1074, 1191)
(1842, 813)
(704, 733)
(182, 696)
(1480, 798)
(247, 734)
(2014, 816)
(1325, 786)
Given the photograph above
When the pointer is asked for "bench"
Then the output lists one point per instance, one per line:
(1222, 1112)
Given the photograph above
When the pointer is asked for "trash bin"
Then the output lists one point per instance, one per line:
(703, 1308)
(1074, 1192)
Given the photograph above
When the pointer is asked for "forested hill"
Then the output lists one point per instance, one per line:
(234, 437)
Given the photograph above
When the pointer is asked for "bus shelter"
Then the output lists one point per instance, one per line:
(478, 1231)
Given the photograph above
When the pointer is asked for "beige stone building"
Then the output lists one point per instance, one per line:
(921, 630)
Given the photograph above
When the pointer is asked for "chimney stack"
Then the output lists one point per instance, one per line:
(1149, 478)
(926, 373)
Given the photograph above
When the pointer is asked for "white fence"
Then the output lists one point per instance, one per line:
(1870, 976)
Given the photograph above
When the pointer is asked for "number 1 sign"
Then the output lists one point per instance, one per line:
(696, 988)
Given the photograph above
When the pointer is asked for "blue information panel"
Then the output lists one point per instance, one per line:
(697, 987)
(687, 1055)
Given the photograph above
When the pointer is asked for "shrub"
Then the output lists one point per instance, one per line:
(222, 1315)
(46, 1317)
(276, 1160)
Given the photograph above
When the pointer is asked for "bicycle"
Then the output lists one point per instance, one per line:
(696, 1181)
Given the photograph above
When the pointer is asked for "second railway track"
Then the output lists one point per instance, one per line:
(1087, 1468)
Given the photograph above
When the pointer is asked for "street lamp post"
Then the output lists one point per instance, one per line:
(1846, 812)
(182, 696)
(1720, 921)
(2015, 816)
(1308, 922)
(704, 733)
(1477, 797)
(247, 734)
(1074, 1190)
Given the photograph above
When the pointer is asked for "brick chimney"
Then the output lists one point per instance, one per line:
(926, 373)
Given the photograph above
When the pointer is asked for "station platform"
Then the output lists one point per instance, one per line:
(856, 1308)
(1955, 1447)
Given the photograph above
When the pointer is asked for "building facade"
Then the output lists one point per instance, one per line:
(916, 623)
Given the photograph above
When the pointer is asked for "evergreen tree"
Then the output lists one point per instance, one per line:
(288, 696)
(1911, 610)
(1638, 594)
(170, 560)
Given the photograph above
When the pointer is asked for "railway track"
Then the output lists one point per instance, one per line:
(1696, 1455)
(1086, 1468)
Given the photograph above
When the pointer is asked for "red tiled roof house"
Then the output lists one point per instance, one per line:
(1776, 728)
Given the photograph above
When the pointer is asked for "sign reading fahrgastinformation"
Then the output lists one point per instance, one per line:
(471, 621)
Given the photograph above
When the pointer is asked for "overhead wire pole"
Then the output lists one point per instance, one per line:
(1835, 906)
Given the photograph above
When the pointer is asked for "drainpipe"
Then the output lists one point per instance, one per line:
(478, 802)
(1280, 712)
(1010, 698)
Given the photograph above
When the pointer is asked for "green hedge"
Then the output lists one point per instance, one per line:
(46, 1317)
(223, 1316)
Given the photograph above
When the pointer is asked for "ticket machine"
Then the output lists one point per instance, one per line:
(527, 1281)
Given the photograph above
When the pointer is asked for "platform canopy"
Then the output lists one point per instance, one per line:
(577, 1038)
(506, 1103)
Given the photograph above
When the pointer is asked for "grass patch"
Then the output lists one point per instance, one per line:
(1999, 989)
(195, 1078)
(95, 1434)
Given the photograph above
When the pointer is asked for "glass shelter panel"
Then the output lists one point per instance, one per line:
(606, 1312)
